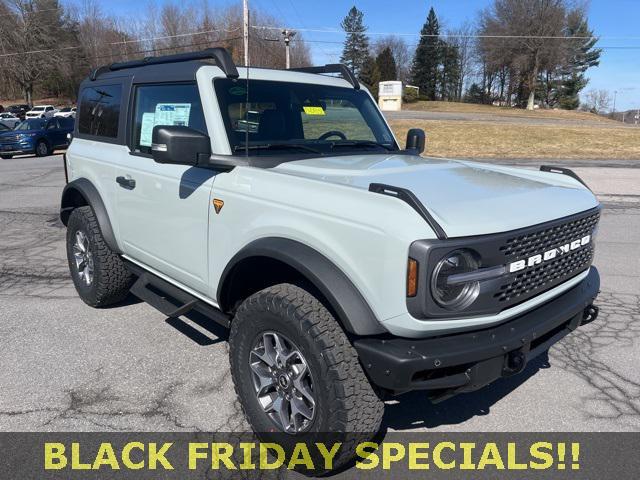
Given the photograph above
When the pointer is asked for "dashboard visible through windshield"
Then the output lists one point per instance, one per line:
(296, 118)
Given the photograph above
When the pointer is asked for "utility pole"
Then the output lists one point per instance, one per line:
(288, 35)
(615, 94)
(245, 30)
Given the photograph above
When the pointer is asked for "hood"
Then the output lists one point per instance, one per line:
(465, 198)
(20, 132)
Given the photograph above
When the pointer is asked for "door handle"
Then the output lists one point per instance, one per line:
(128, 183)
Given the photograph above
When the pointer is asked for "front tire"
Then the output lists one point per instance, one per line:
(335, 394)
(98, 273)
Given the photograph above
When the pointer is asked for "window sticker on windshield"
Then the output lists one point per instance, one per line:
(313, 110)
(165, 114)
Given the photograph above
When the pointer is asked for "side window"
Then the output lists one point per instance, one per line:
(169, 104)
(49, 109)
(100, 110)
(53, 124)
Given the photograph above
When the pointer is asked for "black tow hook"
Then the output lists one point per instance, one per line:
(514, 363)
(590, 314)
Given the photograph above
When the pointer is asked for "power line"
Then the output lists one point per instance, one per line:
(124, 42)
(152, 50)
(604, 47)
(454, 35)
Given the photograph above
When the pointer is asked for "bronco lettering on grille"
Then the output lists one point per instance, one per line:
(549, 254)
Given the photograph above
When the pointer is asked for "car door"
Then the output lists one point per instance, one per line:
(55, 134)
(163, 209)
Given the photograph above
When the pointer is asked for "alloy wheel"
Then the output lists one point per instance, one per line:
(83, 258)
(282, 382)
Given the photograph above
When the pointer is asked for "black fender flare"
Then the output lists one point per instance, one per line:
(345, 299)
(82, 192)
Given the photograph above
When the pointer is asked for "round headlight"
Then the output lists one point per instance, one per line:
(456, 295)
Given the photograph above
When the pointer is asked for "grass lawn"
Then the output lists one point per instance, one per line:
(456, 107)
(504, 140)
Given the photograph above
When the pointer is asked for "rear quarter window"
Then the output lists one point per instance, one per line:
(100, 111)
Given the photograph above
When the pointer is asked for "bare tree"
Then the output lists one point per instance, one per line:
(400, 51)
(27, 28)
(48, 47)
(529, 43)
(462, 39)
(597, 101)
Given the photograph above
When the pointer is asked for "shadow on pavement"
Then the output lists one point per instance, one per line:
(415, 410)
(209, 333)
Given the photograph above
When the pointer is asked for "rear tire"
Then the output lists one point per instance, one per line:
(6, 157)
(98, 273)
(344, 399)
(42, 149)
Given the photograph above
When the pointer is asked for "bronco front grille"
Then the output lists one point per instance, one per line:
(535, 276)
(547, 274)
(535, 280)
(536, 242)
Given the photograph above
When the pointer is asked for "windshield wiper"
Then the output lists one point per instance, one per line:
(360, 143)
(277, 146)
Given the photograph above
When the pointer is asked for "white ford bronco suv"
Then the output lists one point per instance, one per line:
(280, 204)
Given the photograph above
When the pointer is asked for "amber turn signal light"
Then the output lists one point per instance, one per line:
(412, 278)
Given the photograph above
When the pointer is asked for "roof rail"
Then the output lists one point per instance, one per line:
(346, 72)
(220, 55)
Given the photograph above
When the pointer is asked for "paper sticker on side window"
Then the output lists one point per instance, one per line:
(165, 114)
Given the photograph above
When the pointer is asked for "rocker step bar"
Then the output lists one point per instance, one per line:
(169, 299)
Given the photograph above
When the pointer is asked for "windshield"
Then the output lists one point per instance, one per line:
(292, 118)
(37, 109)
(3, 127)
(31, 124)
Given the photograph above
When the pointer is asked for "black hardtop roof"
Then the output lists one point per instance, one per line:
(184, 71)
(185, 65)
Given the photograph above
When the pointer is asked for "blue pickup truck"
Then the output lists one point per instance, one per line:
(37, 136)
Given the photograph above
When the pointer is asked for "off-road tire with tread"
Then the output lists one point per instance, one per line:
(345, 399)
(111, 280)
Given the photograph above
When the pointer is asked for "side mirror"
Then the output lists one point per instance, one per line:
(416, 140)
(179, 145)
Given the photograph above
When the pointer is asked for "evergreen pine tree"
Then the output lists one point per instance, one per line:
(386, 65)
(581, 56)
(427, 58)
(370, 75)
(356, 45)
(450, 73)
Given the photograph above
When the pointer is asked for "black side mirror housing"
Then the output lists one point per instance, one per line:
(416, 140)
(180, 145)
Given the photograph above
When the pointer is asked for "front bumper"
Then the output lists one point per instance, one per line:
(467, 361)
(17, 148)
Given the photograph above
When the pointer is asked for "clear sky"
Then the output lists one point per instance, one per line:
(610, 19)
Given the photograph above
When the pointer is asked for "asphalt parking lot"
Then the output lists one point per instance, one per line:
(67, 367)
